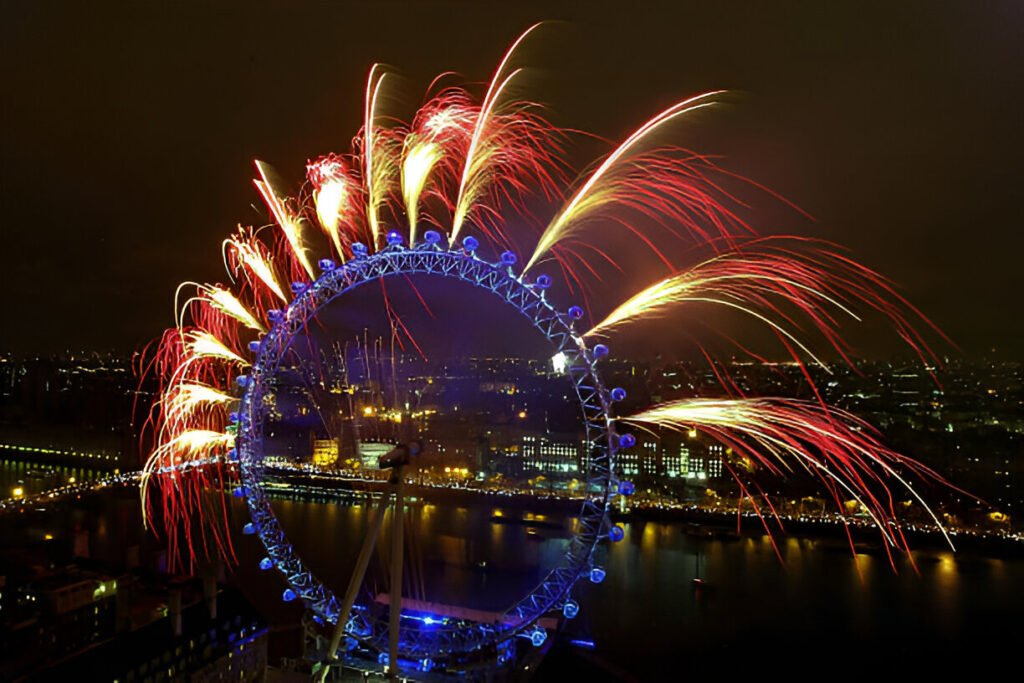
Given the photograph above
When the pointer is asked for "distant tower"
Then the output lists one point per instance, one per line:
(348, 439)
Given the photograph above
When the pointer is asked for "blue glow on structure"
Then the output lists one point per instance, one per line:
(538, 636)
(249, 529)
(242, 381)
(326, 264)
(616, 533)
(423, 635)
(575, 312)
(298, 288)
(359, 249)
(288, 595)
(627, 441)
(470, 243)
(585, 644)
(508, 258)
(394, 238)
(618, 394)
(426, 619)
(275, 315)
(571, 609)
(254, 345)
(627, 488)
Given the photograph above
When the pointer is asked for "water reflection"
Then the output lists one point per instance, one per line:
(32, 478)
(648, 611)
(818, 589)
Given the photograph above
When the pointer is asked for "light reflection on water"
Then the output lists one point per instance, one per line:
(818, 591)
(35, 477)
(648, 611)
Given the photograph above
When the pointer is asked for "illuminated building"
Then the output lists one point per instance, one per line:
(325, 452)
(539, 454)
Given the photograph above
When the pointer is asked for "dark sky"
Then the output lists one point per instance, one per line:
(128, 132)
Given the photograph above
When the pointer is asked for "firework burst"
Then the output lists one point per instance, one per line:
(779, 281)
(462, 162)
(335, 193)
(783, 435)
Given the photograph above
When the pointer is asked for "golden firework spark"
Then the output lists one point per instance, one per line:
(605, 186)
(289, 223)
(483, 147)
(188, 397)
(380, 163)
(255, 262)
(200, 344)
(780, 434)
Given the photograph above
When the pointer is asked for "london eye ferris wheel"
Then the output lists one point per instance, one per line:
(436, 198)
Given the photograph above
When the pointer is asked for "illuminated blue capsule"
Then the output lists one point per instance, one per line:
(242, 381)
(254, 345)
(432, 236)
(570, 609)
(426, 664)
(627, 441)
(597, 575)
(600, 351)
(266, 564)
(394, 238)
(575, 312)
(359, 249)
(233, 454)
(538, 636)
(470, 243)
(239, 492)
(298, 288)
(288, 595)
(233, 417)
(249, 529)
(275, 315)
(616, 534)
(626, 488)
(542, 281)
(618, 393)
(318, 619)
(508, 258)
(383, 658)
(326, 264)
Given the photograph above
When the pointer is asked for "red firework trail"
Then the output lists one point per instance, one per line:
(783, 436)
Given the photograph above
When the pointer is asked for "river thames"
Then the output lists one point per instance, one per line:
(819, 605)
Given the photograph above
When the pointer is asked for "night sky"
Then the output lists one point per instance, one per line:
(128, 132)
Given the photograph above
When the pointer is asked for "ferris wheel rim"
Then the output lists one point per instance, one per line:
(557, 327)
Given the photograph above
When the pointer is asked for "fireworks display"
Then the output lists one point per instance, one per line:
(780, 435)
(461, 162)
(780, 282)
(664, 185)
